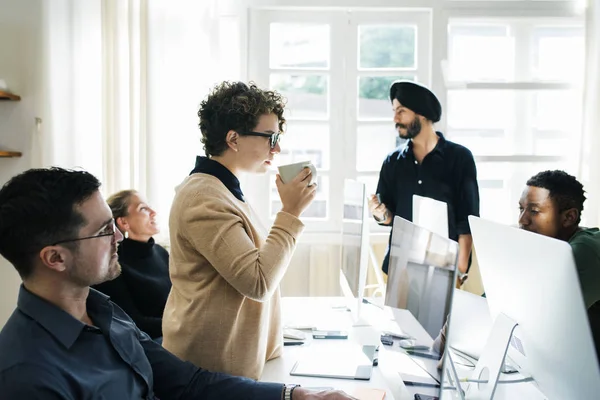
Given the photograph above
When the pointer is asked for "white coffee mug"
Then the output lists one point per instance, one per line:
(290, 171)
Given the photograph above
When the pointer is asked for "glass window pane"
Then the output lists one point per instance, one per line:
(374, 143)
(317, 209)
(480, 53)
(307, 95)
(482, 120)
(387, 46)
(505, 122)
(553, 47)
(305, 141)
(552, 143)
(556, 109)
(299, 45)
(556, 121)
(373, 96)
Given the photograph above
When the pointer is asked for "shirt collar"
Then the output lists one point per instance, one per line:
(211, 167)
(60, 324)
(439, 147)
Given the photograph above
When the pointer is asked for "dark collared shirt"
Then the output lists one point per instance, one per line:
(446, 174)
(211, 167)
(47, 354)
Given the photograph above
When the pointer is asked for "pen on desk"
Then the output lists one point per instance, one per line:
(366, 301)
(432, 356)
(293, 343)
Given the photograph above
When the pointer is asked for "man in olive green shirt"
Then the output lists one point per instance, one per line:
(551, 205)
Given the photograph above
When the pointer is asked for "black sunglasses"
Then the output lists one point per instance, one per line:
(273, 137)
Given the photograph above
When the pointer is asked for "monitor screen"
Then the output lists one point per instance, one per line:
(353, 252)
(421, 274)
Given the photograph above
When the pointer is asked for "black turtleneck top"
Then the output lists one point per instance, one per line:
(144, 284)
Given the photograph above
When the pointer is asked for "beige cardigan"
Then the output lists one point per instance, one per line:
(223, 312)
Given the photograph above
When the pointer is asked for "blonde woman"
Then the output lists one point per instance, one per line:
(143, 286)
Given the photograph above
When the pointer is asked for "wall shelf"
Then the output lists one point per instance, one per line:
(9, 96)
(7, 154)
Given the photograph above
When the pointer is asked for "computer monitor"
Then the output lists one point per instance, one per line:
(471, 324)
(422, 274)
(531, 280)
(354, 243)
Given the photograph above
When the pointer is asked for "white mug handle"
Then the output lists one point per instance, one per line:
(313, 178)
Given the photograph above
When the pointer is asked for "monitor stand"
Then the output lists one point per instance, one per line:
(488, 366)
(358, 318)
(450, 379)
(356, 308)
(490, 363)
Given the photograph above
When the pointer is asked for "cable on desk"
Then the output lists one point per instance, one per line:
(528, 379)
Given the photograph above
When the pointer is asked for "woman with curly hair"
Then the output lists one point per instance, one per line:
(223, 312)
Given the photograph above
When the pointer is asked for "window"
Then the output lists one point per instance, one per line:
(498, 68)
(335, 69)
(518, 104)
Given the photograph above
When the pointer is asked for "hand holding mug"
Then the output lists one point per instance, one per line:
(298, 192)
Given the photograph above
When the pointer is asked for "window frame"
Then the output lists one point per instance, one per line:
(442, 12)
(343, 74)
(522, 86)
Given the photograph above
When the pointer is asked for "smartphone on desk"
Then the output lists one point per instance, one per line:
(330, 335)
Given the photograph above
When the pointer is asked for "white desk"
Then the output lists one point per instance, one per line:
(329, 313)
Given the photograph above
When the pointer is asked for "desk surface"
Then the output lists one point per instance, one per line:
(330, 313)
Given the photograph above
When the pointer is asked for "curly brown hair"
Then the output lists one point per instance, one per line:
(235, 106)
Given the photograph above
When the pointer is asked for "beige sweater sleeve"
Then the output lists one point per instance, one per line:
(222, 234)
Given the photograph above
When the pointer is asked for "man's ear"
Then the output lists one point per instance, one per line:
(232, 140)
(570, 217)
(54, 257)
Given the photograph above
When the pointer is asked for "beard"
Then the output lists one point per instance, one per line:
(84, 274)
(412, 129)
(114, 270)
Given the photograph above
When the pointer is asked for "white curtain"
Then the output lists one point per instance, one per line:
(183, 64)
(124, 88)
(590, 162)
(123, 81)
(70, 129)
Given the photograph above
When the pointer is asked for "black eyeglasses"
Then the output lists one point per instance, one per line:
(273, 137)
(110, 229)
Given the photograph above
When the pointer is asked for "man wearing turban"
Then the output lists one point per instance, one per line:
(427, 165)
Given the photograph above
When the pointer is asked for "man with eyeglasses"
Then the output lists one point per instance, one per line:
(67, 341)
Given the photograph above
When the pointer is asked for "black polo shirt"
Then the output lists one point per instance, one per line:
(446, 174)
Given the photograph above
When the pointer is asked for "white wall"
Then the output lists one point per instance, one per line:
(21, 67)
